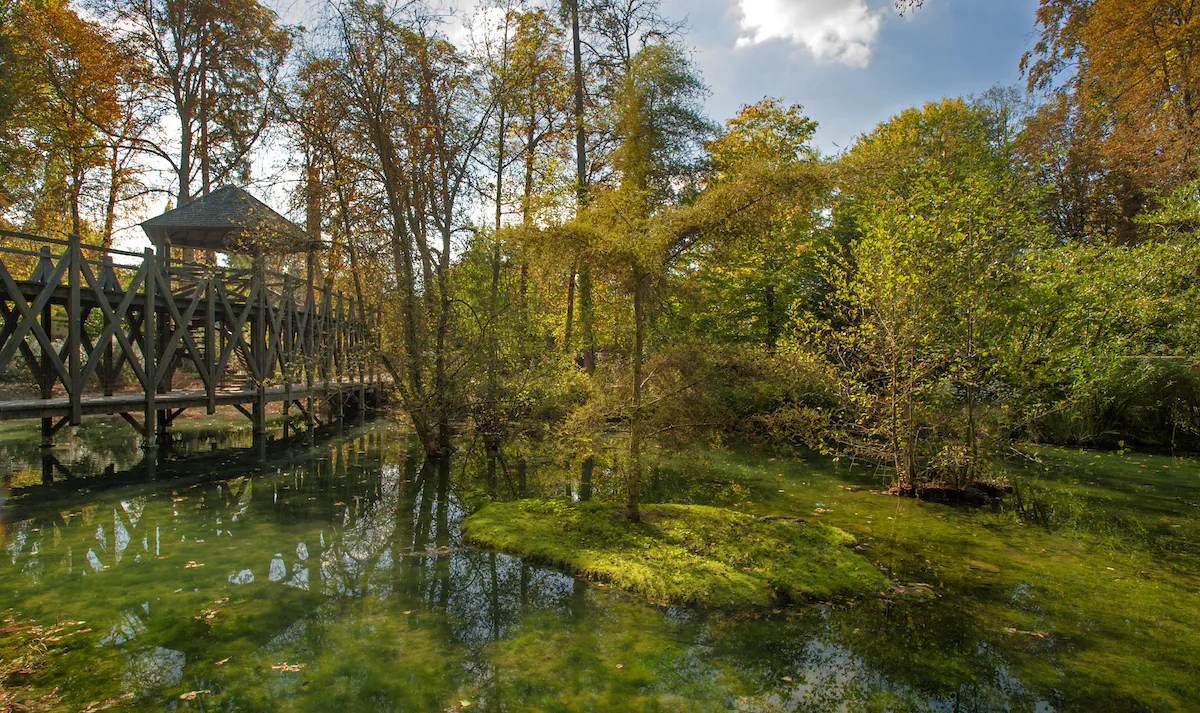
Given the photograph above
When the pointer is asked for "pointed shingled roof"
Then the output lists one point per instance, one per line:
(229, 220)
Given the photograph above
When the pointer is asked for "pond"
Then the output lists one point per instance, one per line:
(328, 574)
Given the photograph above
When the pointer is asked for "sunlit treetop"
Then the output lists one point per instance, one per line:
(765, 132)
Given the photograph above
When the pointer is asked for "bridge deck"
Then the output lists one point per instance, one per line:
(134, 401)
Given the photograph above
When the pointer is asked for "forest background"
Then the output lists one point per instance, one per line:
(568, 251)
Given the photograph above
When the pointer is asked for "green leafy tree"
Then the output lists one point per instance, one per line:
(924, 294)
(743, 290)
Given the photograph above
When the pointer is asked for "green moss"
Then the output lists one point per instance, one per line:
(682, 554)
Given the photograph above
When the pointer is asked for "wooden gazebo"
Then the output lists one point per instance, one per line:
(228, 220)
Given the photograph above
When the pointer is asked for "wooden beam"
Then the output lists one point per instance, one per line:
(132, 422)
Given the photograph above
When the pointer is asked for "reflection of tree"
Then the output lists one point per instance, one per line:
(907, 656)
(376, 527)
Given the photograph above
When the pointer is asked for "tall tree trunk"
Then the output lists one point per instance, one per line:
(570, 310)
(75, 190)
(441, 383)
(110, 201)
(634, 483)
(185, 158)
(491, 417)
(205, 163)
(581, 172)
(402, 260)
(585, 478)
(587, 319)
(586, 313)
(312, 196)
(314, 230)
(772, 324)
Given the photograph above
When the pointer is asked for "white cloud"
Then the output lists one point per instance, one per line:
(832, 30)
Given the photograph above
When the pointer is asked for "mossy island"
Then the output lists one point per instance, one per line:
(683, 555)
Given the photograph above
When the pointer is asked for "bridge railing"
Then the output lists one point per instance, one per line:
(81, 317)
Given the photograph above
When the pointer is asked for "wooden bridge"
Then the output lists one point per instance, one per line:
(104, 331)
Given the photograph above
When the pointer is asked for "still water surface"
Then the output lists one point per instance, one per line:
(330, 576)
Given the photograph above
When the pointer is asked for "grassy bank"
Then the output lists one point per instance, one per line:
(682, 554)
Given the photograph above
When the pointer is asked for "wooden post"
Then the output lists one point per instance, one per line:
(74, 328)
(46, 376)
(162, 323)
(149, 350)
(211, 347)
(285, 367)
(258, 346)
(109, 283)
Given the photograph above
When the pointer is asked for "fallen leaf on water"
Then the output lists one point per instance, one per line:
(191, 695)
(105, 705)
(1038, 634)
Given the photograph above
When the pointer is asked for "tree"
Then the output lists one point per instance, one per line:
(74, 111)
(215, 64)
(17, 89)
(660, 123)
(922, 302)
(1136, 63)
(1059, 151)
(765, 272)
(659, 215)
(414, 118)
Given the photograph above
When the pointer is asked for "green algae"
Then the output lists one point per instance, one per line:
(1095, 599)
(1083, 596)
(687, 555)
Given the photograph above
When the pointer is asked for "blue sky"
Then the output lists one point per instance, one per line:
(853, 63)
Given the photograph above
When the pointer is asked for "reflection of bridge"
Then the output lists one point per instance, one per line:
(98, 337)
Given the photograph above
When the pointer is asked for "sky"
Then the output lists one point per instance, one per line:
(853, 63)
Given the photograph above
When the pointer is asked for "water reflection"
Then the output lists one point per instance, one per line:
(334, 577)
